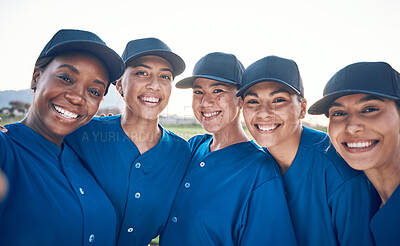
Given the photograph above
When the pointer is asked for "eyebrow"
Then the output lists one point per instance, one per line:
(148, 67)
(281, 90)
(212, 85)
(364, 99)
(74, 70)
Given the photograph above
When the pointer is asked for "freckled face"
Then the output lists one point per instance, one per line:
(215, 104)
(365, 130)
(272, 113)
(146, 86)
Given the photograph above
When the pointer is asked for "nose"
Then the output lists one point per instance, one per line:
(353, 124)
(76, 95)
(207, 100)
(265, 111)
(153, 84)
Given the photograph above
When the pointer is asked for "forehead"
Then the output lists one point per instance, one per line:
(356, 99)
(77, 60)
(151, 61)
(204, 82)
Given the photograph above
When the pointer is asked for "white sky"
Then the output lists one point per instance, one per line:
(321, 36)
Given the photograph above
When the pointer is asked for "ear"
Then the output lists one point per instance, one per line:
(118, 86)
(35, 78)
(303, 109)
(241, 102)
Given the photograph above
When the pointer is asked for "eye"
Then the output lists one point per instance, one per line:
(166, 77)
(95, 92)
(197, 92)
(337, 113)
(141, 73)
(279, 100)
(252, 101)
(65, 78)
(370, 110)
(218, 91)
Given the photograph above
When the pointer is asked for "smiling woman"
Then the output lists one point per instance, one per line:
(50, 193)
(362, 103)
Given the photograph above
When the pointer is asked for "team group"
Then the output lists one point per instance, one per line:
(291, 186)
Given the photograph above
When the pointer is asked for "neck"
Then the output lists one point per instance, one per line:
(144, 133)
(385, 180)
(231, 134)
(285, 151)
(35, 123)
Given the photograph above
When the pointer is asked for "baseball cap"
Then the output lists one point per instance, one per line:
(376, 78)
(153, 46)
(67, 40)
(272, 68)
(216, 66)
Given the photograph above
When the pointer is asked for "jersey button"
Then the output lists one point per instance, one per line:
(138, 165)
(91, 238)
(202, 164)
(187, 185)
(137, 195)
(130, 229)
(81, 191)
(174, 219)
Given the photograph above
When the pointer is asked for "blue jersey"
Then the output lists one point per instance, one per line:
(385, 224)
(330, 203)
(52, 198)
(231, 196)
(141, 186)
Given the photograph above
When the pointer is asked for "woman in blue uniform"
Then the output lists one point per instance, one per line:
(362, 103)
(232, 193)
(137, 162)
(329, 202)
(52, 198)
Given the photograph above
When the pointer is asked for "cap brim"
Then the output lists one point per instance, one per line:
(177, 63)
(322, 105)
(188, 82)
(244, 88)
(112, 61)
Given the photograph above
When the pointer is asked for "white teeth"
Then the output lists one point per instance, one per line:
(210, 114)
(150, 99)
(359, 145)
(65, 113)
(266, 128)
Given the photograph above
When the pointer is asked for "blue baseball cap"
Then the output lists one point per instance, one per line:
(273, 68)
(216, 66)
(375, 78)
(68, 40)
(153, 46)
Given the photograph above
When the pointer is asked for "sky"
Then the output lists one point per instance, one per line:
(320, 36)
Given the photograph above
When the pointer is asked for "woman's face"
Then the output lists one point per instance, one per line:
(67, 95)
(272, 113)
(146, 86)
(365, 130)
(215, 104)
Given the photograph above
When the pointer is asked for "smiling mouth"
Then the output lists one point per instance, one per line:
(267, 128)
(65, 113)
(150, 99)
(360, 145)
(211, 114)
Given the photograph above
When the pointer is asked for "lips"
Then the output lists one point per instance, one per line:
(65, 113)
(267, 127)
(210, 115)
(149, 99)
(360, 145)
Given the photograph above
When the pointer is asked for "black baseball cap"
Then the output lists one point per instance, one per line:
(375, 78)
(273, 68)
(67, 40)
(153, 46)
(217, 66)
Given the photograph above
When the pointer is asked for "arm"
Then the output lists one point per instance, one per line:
(267, 219)
(353, 205)
(2, 128)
